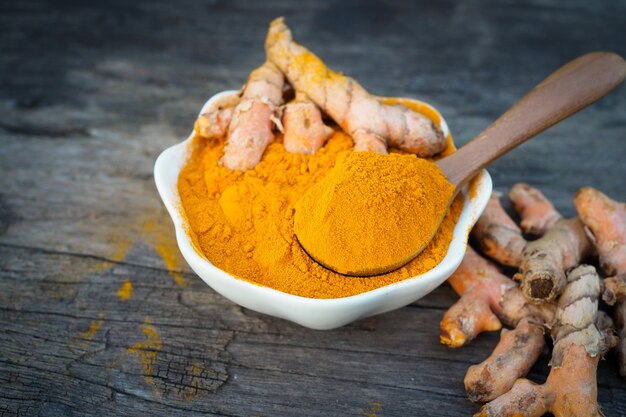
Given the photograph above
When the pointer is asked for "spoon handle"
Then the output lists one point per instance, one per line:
(569, 89)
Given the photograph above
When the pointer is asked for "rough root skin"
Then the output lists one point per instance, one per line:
(536, 211)
(545, 260)
(305, 132)
(570, 390)
(614, 289)
(480, 285)
(488, 299)
(542, 263)
(497, 234)
(513, 357)
(250, 130)
(581, 337)
(516, 307)
(606, 221)
(214, 125)
(372, 125)
(575, 321)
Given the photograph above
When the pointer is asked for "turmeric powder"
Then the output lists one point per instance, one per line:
(398, 201)
(243, 222)
(239, 189)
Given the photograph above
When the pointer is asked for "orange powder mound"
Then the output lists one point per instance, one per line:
(372, 213)
(243, 222)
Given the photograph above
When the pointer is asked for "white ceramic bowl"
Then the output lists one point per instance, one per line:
(311, 312)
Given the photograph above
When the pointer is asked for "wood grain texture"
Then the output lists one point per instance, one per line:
(89, 96)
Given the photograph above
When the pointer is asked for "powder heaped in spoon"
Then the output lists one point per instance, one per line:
(372, 210)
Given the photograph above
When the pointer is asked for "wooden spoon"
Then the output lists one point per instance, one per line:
(571, 88)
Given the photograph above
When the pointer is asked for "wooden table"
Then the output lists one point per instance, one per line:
(89, 96)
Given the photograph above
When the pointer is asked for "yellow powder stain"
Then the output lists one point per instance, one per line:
(94, 326)
(165, 245)
(148, 350)
(195, 382)
(101, 266)
(66, 272)
(171, 259)
(151, 227)
(473, 187)
(373, 409)
(121, 250)
(125, 291)
(121, 245)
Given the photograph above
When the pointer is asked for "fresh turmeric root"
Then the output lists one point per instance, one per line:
(305, 132)
(214, 125)
(614, 289)
(516, 353)
(542, 262)
(489, 298)
(497, 234)
(248, 126)
(581, 336)
(570, 390)
(480, 285)
(537, 212)
(250, 130)
(605, 220)
(545, 260)
(373, 126)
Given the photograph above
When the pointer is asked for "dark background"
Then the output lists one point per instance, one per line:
(91, 92)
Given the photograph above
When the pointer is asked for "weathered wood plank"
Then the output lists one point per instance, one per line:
(212, 356)
(89, 96)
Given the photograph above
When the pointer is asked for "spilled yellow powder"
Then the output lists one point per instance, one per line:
(473, 187)
(195, 382)
(148, 350)
(121, 250)
(94, 326)
(126, 291)
(165, 245)
(243, 221)
(171, 260)
(153, 227)
(373, 409)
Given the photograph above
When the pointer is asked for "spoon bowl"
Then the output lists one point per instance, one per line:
(572, 87)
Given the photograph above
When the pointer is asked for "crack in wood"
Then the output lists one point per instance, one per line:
(93, 257)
